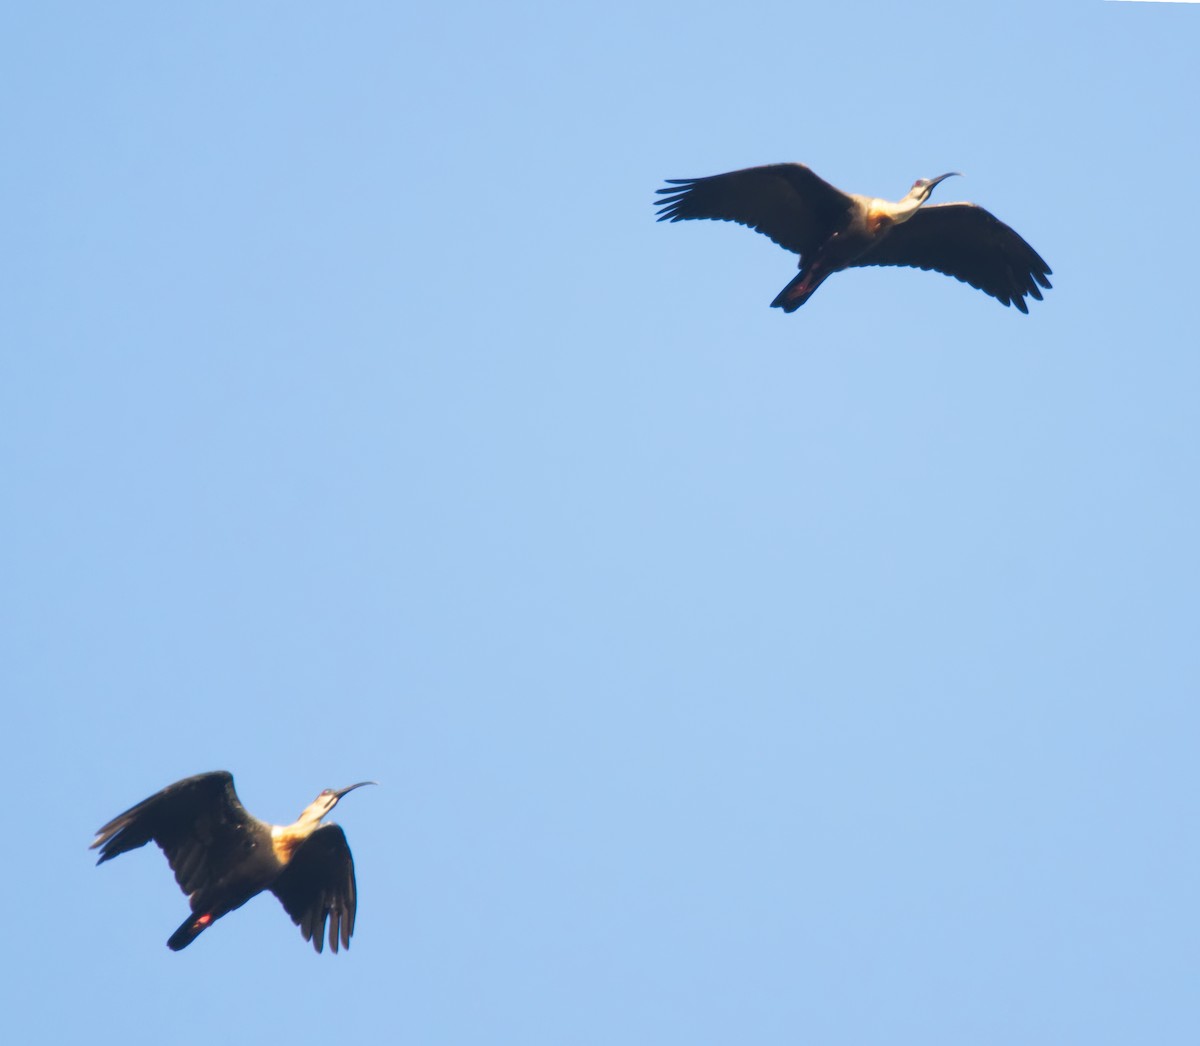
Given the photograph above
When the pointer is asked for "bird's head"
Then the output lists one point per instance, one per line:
(922, 187)
(327, 800)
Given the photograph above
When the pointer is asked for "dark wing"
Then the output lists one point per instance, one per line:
(318, 883)
(198, 822)
(784, 201)
(966, 242)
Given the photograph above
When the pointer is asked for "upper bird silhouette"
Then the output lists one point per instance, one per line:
(222, 856)
(832, 230)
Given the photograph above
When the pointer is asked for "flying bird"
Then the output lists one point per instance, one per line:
(832, 230)
(222, 856)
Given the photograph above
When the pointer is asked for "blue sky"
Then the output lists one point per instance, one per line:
(730, 676)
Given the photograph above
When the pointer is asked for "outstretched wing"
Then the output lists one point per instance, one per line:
(785, 201)
(318, 884)
(966, 242)
(197, 822)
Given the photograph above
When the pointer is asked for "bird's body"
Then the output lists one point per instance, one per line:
(833, 230)
(222, 856)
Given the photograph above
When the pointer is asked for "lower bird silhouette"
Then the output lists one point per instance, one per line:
(222, 856)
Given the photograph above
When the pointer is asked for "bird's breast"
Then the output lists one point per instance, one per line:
(284, 844)
(878, 222)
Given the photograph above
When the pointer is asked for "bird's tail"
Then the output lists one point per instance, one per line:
(193, 926)
(798, 291)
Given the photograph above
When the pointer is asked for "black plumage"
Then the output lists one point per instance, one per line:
(832, 230)
(222, 856)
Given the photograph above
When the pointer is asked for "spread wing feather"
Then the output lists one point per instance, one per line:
(198, 823)
(965, 241)
(785, 201)
(318, 885)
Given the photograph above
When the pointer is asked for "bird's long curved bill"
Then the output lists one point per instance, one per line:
(943, 177)
(350, 788)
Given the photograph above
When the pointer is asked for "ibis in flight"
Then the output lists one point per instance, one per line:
(832, 230)
(222, 856)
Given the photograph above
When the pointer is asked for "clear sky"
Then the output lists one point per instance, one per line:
(731, 677)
